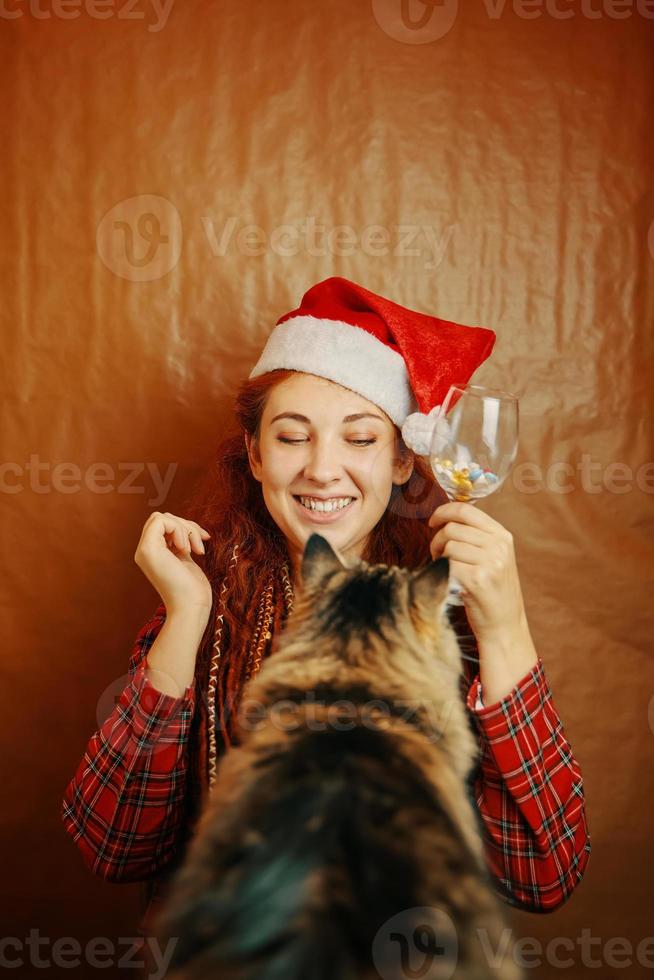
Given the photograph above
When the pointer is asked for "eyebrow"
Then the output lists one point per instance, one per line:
(348, 418)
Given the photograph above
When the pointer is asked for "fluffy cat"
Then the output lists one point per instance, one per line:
(340, 841)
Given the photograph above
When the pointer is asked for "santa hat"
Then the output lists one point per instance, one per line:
(401, 360)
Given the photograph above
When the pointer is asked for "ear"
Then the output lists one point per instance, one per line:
(428, 587)
(253, 456)
(319, 558)
(403, 464)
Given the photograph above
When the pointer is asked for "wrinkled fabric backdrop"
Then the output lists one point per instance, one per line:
(174, 179)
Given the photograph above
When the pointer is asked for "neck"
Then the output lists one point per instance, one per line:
(295, 565)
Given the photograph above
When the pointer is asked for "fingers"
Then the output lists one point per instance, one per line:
(195, 538)
(465, 513)
(184, 535)
(180, 538)
(453, 531)
(468, 554)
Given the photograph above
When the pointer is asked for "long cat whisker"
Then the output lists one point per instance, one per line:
(474, 660)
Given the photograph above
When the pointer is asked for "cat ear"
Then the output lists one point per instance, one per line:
(428, 587)
(319, 557)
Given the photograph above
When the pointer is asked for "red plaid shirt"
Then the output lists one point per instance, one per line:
(125, 806)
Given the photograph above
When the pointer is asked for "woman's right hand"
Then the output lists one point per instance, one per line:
(164, 556)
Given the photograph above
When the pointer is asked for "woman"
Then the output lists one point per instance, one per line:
(326, 422)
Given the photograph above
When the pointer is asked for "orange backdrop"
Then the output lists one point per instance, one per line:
(176, 175)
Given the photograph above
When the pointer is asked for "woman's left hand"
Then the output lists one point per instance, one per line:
(482, 558)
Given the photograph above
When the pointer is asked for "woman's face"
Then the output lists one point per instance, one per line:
(322, 442)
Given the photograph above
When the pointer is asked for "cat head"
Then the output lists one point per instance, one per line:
(359, 601)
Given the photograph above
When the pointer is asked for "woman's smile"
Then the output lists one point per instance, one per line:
(323, 510)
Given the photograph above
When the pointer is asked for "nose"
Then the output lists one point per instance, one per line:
(322, 466)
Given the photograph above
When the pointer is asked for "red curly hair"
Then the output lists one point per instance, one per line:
(229, 504)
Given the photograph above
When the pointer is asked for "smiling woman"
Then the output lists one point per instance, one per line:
(331, 461)
(320, 443)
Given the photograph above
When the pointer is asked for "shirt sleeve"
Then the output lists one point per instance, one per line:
(528, 789)
(125, 804)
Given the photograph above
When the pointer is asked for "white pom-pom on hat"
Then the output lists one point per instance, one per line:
(418, 430)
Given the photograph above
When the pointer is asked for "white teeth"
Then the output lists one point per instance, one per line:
(325, 506)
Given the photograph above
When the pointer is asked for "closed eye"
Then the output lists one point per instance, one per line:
(353, 442)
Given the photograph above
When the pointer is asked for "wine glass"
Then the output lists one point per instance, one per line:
(472, 451)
